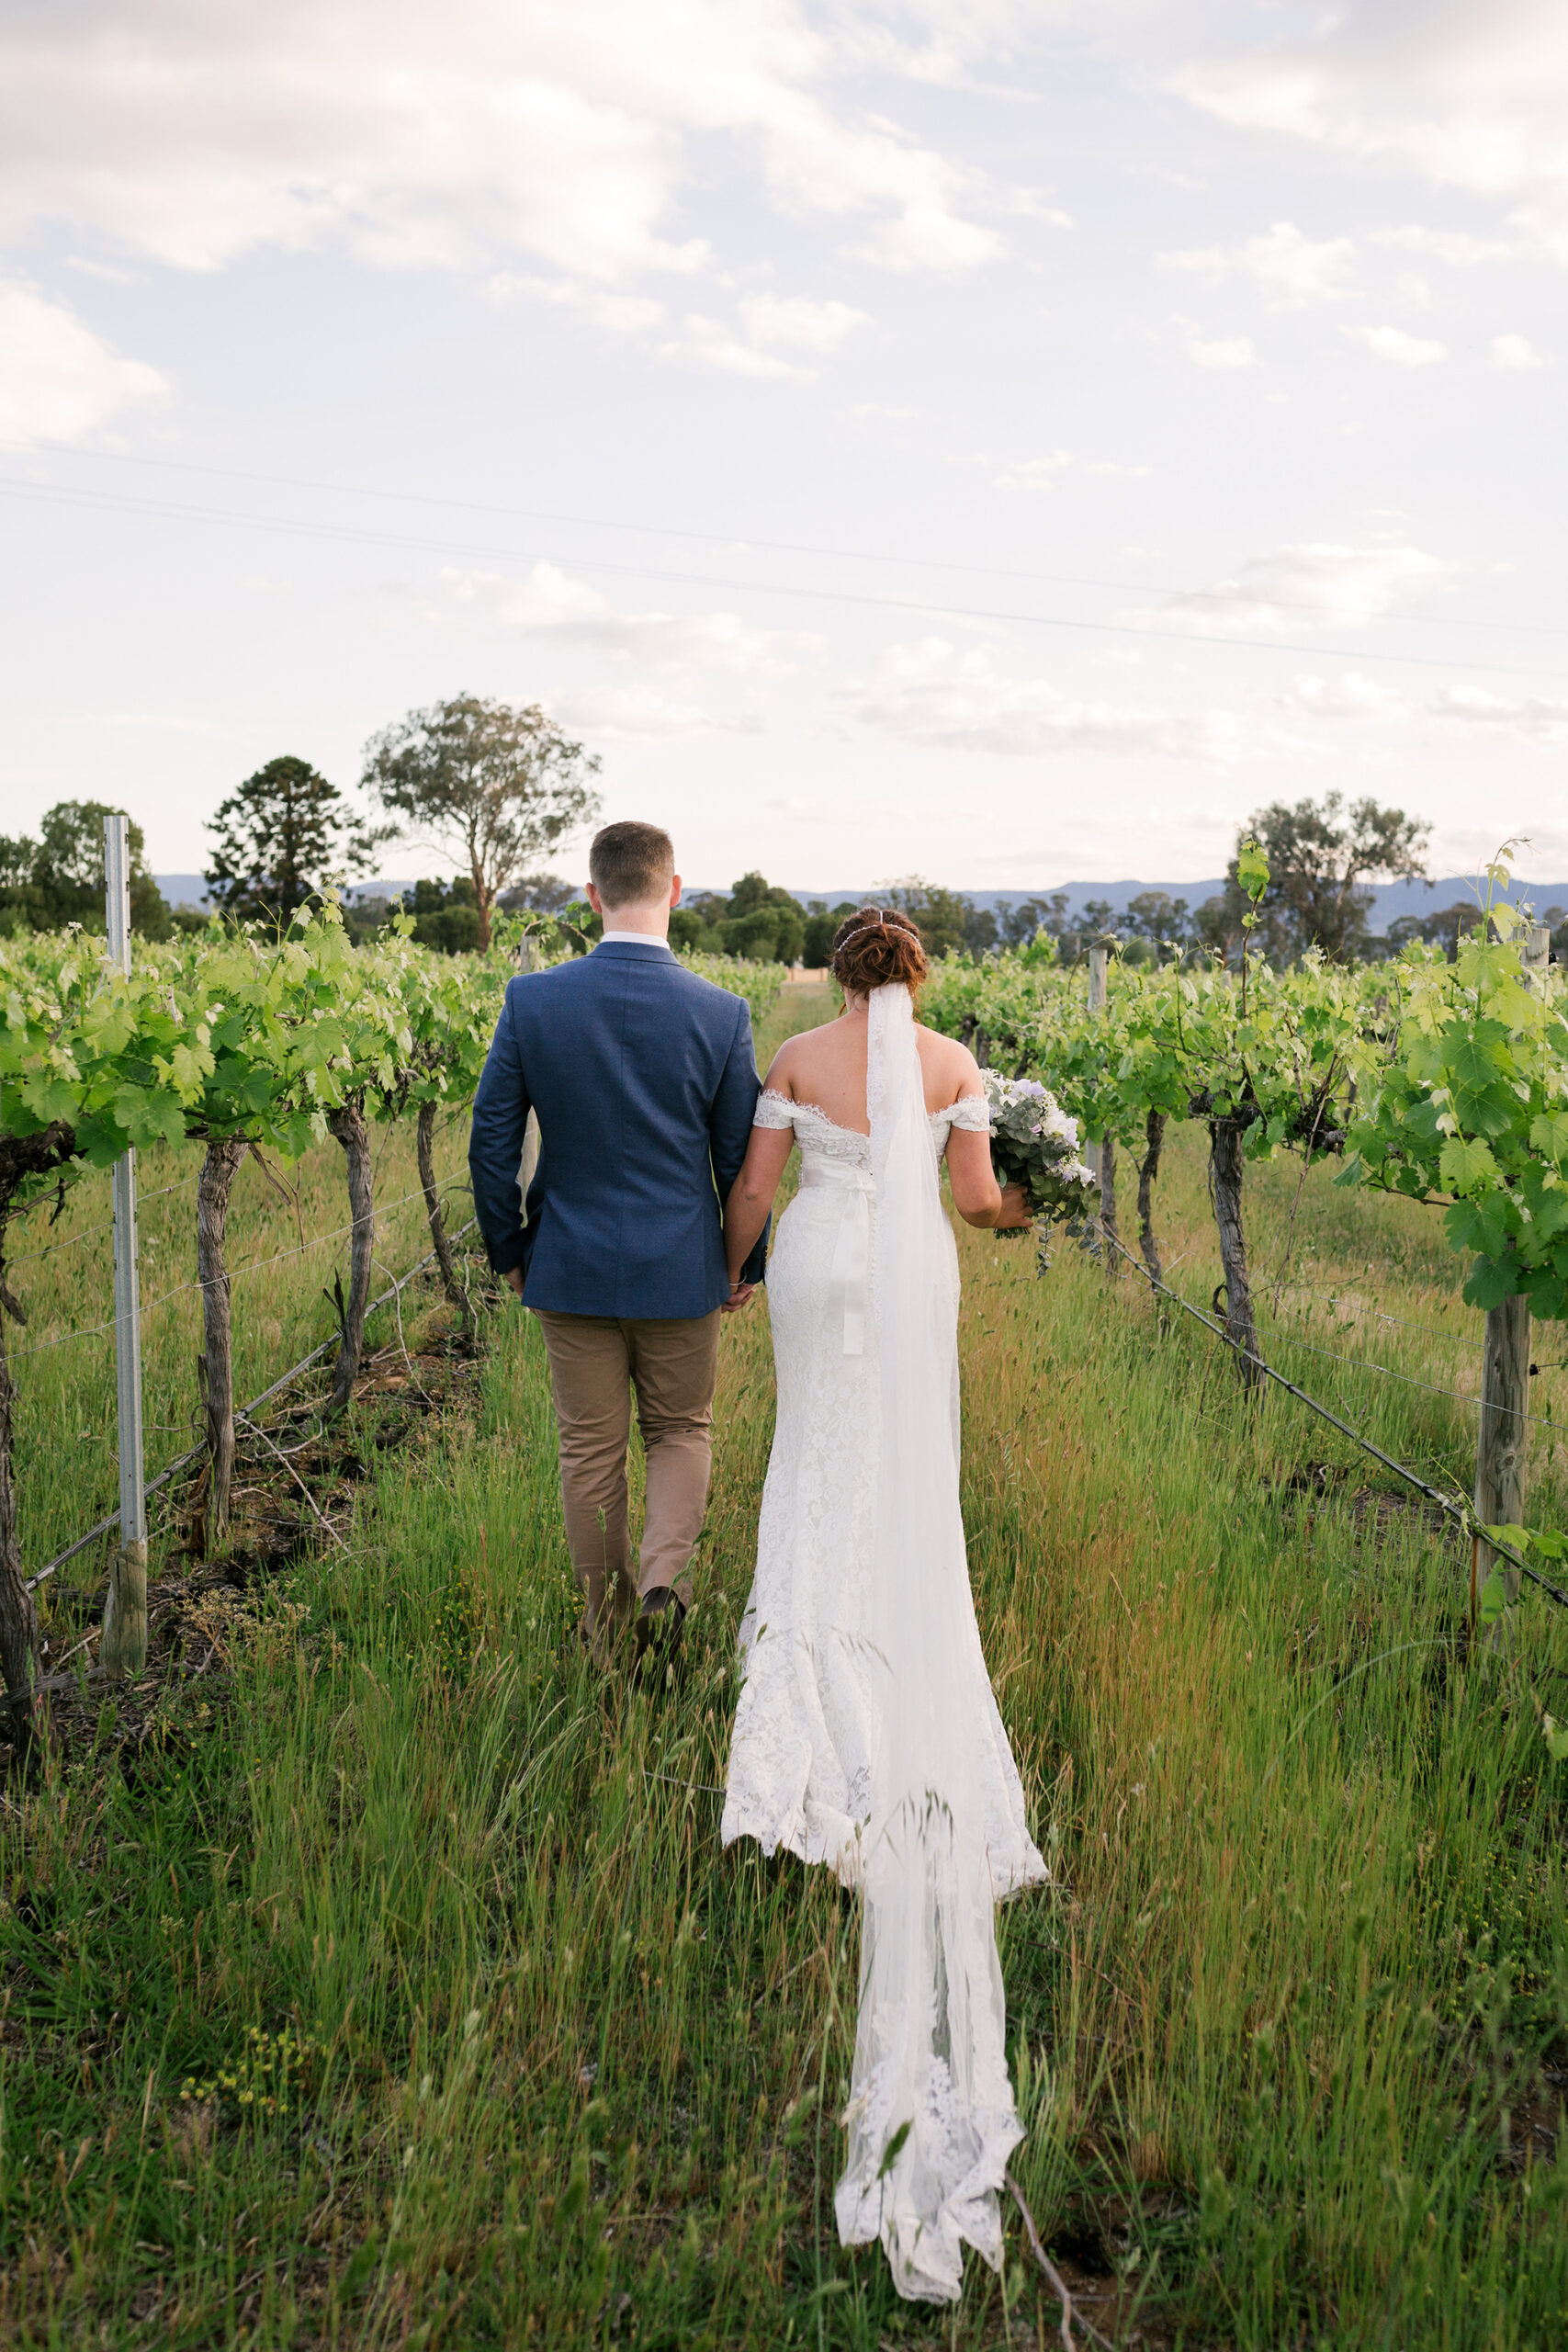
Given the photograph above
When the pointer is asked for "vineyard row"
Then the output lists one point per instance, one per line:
(237, 1043)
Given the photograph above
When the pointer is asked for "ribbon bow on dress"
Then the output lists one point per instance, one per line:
(849, 1281)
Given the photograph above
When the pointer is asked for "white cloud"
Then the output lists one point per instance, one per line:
(879, 408)
(444, 138)
(1350, 696)
(631, 716)
(768, 319)
(59, 381)
(1312, 584)
(1535, 719)
(1216, 351)
(1290, 270)
(805, 327)
(1459, 250)
(710, 344)
(1401, 350)
(1471, 98)
(1515, 351)
(551, 604)
(1041, 473)
(956, 698)
(616, 314)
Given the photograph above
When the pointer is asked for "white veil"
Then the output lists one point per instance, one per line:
(930, 2118)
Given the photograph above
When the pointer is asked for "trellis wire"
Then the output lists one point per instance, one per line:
(28, 1257)
(1460, 1396)
(251, 1266)
(1445, 1503)
(242, 1412)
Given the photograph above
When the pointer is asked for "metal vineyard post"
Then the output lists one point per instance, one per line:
(124, 1646)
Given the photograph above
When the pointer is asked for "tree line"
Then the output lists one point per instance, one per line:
(484, 786)
(495, 791)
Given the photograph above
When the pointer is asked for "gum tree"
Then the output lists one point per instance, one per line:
(494, 788)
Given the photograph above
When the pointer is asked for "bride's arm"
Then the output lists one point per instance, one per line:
(751, 1196)
(977, 1195)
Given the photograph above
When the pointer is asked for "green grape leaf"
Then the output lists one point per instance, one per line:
(1464, 1166)
(1252, 869)
(1548, 1135)
(1488, 1283)
(1471, 1052)
(49, 1098)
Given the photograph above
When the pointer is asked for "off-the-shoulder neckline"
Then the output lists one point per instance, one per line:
(776, 1094)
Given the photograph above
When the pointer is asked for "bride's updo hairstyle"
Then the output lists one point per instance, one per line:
(874, 946)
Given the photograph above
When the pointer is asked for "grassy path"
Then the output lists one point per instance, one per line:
(502, 2049)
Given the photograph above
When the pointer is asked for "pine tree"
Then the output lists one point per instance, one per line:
(282, 837)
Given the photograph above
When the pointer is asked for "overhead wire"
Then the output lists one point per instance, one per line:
(748, 540)
(172, 510)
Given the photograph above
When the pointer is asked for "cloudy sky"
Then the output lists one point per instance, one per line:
(1001, 439)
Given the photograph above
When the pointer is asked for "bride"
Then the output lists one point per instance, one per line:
(867, 1734)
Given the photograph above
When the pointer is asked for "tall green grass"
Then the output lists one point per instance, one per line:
(1287, 2031)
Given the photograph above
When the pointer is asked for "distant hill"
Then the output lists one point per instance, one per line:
(1389, 899)
(190, 890)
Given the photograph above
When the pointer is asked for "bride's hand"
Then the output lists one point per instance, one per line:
(1015, 1210)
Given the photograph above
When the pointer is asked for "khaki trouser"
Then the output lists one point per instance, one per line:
(597, 1361)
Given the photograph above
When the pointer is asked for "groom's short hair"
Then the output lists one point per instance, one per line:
(630, 864)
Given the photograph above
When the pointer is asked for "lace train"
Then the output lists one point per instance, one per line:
(867, 1735)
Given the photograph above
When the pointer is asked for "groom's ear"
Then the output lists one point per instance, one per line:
(674, 889)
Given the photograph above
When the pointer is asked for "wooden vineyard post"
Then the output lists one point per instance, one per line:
(123, 1649)
(1503, 1446)
(1101, 1157)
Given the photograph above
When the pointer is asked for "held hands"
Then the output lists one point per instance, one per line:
(740, 1293)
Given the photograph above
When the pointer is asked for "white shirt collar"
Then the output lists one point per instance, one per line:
(634, 939)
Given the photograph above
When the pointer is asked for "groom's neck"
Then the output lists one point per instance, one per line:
(649, 921)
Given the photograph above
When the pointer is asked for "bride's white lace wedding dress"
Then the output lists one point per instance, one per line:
(867, 1734)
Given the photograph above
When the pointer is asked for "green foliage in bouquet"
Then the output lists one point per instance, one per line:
(1033, 1143)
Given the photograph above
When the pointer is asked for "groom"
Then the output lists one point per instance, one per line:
(645, 1084)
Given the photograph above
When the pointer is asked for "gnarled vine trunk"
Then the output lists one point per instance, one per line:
(348, 1125)
(20, 1156)
(1148, 1168)
(1503, 1448)
(425, 1137)
(1225, 1164)
(1107, 1202)
(218, 1171)
(19, 1617)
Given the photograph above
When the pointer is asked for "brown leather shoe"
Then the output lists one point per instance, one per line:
(660, 1615)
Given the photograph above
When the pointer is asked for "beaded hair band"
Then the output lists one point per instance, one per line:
(883, 923)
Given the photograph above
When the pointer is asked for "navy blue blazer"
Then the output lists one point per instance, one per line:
(645, 1082)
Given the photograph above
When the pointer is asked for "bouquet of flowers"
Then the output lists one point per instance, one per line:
(1033, 1143)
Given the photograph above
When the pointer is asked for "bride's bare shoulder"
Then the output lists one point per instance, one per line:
(795, 1067)
(945, 1060)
